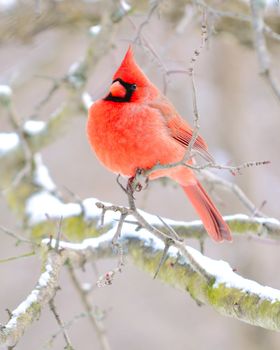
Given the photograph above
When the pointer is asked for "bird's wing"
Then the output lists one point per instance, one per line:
(178, 128)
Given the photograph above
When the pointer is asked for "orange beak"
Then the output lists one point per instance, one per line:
(117, 90)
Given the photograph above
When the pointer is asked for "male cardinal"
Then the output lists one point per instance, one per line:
(135, 127)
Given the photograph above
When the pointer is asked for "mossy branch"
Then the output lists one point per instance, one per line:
(221, 288)
(225, 291)
(29, 310)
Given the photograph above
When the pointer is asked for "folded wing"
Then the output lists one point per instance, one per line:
(179, 129)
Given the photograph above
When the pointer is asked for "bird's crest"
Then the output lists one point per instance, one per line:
(130, 72)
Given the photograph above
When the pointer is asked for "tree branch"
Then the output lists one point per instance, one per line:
(224, 290)
(261, 47)
(220, 288)
(96, 324)
(29, 310)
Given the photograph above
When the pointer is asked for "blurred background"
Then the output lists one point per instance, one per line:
(239, 118)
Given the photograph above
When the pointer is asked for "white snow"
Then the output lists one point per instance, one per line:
(45, 277)
(87, 100)
(5, 90)
(8, 141)
(224, 274)
(33, 127)
(21, 309)
(87, 286)
(125, 6)
(91, 210)
(32, 298)
(74, 68)
(95, 30)
(272, 221)
(43, 203)
(41, 175)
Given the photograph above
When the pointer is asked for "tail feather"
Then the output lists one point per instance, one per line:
(209, 214)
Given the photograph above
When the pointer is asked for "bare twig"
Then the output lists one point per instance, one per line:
(164, 256)
(239, 17)
(216, 180)
(194, 94)
(233, 169)
(139, 35)
(19, 239)
(58, 235)
(27, 152)
(11, 258)
(261, 48)
(67, 325)
(61, 325)
(96, 324)
(169, 240)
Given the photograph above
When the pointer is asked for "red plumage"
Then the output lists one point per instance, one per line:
(135, 126)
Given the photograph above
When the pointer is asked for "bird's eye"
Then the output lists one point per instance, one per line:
(133, 87)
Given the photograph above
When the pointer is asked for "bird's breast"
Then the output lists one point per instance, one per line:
(126, 136)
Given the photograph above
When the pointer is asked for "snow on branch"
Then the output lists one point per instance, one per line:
(45, 203)
(208, 281)
(218, 286)
(222, 289)
(29, 310)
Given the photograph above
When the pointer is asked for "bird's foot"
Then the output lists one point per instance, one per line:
(140, 180)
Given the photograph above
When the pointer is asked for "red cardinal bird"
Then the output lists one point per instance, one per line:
(135, 127)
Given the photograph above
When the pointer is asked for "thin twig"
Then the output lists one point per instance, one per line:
(96, 324)
(146, 21)
(194, 94)
(167, 245)
(241, 17)
(61, 325)
(19, 239)
(11, 258)
(216, 180)
(261, 47)
(161, 235)
(67, 325)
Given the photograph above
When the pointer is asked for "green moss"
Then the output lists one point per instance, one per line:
(77, 229)
(74, 228)
(242, 227)
(173, 273)
(17, 197)
(244, 306)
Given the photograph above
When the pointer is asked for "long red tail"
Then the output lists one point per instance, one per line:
(209, 214)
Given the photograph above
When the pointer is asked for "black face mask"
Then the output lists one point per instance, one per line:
(129, 88)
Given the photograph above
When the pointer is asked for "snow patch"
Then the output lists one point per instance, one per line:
(87, 100)
(43, 203)
(33, 127)
(41, 175)
(224, 274)
(90, 208)
(95, 30)
(45, 277)
(22, 308)
(5, 90)
(125, 6)
(8, 142)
